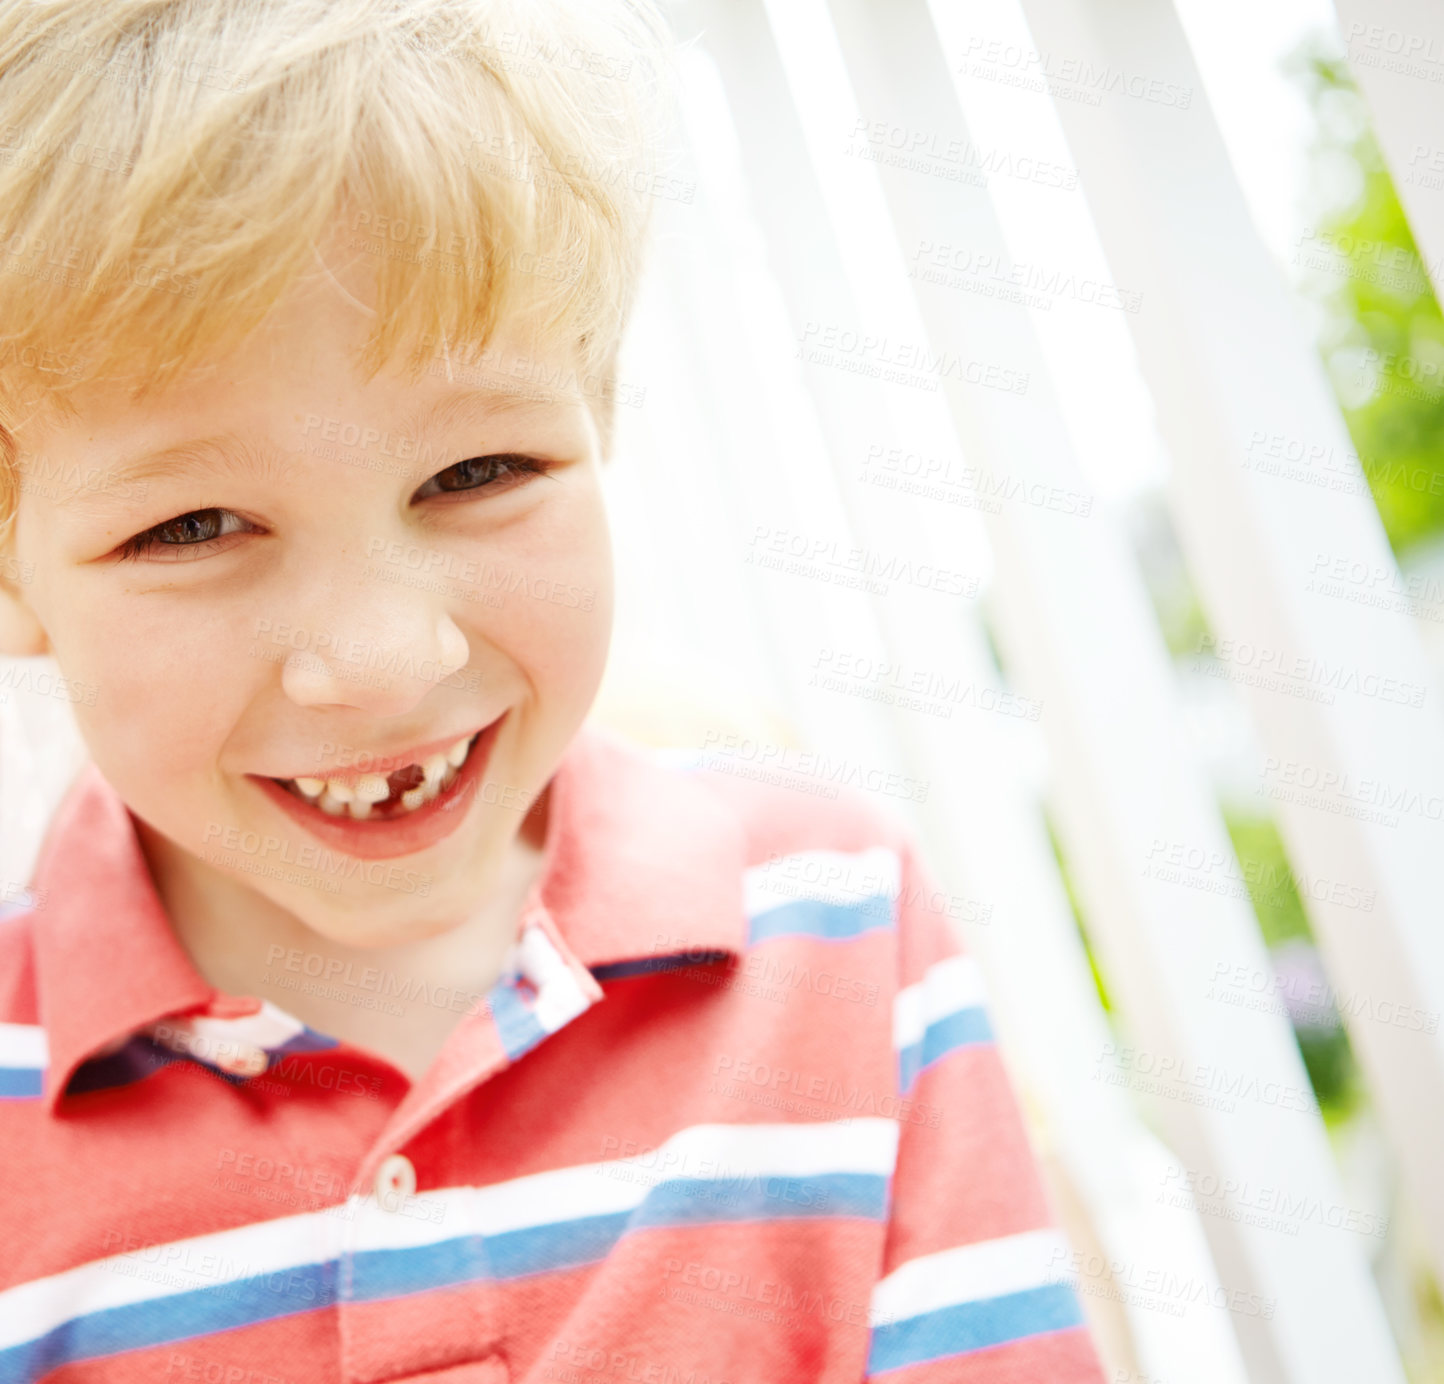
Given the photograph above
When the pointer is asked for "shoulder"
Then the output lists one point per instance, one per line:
(850, 847)
(815, 853)
(784, 800)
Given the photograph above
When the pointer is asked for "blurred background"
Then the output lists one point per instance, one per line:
(1034, 418)
(1038, 422)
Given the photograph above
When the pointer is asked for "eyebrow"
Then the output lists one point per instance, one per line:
(461, 401)
(244, 453)
(227, 452)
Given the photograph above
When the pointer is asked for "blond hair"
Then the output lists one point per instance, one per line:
(168, 168)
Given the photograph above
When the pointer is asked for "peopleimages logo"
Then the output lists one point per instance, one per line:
(251, 847)
(345, 977)
(331, 648)
(479, 572)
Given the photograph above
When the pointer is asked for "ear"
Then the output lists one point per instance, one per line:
(21, 633)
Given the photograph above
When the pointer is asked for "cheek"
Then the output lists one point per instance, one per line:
(554, 580)
(168, 684)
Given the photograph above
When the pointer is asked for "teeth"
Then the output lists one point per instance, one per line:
(358, 797)
(372, 788)
(340, 791)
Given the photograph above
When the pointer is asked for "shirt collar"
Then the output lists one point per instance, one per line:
(639, 861)
(102, 920)
(643, 860)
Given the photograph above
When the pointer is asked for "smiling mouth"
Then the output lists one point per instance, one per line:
(385, 797)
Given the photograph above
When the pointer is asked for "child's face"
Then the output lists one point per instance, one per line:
(349, 593)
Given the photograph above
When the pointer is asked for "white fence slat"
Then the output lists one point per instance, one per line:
(1081, 630)
(1269, 499)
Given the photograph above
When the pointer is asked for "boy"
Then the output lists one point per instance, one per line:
(374, 1019)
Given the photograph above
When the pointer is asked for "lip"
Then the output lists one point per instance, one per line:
(396, 836)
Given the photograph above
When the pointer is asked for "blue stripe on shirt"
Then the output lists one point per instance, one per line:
(969, 1326)
(833, 922)
(376, 1275)
(960, 1029)
(21, 1083)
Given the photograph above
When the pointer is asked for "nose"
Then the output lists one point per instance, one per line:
(383, 663)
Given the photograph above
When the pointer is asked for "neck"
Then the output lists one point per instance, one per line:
(398, 998)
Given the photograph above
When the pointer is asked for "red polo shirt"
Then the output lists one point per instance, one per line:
(733, 1113)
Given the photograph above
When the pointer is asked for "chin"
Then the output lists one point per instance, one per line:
(374, 917)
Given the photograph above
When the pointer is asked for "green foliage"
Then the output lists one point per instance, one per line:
(1329, 1061)
(1328, 1058)
(1185, 627)
(1385, 341)
(1270, 881)
(1077, 910)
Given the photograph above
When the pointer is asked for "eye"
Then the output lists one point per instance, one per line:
(185, 536)
(501, 471)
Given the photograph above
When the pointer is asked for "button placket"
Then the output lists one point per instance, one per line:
(395, 1237)
(542, 989)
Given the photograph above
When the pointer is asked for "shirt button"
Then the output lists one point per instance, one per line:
(242, 1060)
(395, 1181)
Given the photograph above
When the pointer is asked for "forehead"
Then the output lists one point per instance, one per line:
(299, 377)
